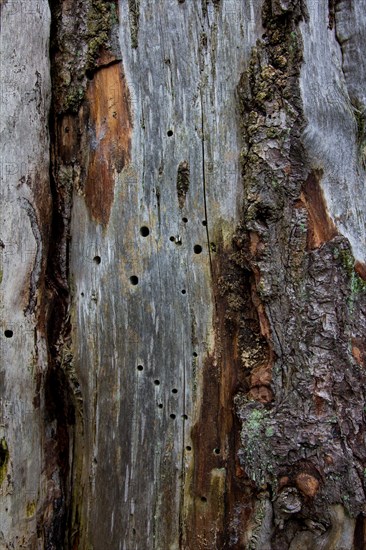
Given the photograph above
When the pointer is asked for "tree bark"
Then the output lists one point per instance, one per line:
(183, 277)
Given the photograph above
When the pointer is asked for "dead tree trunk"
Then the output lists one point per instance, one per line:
(183, 281)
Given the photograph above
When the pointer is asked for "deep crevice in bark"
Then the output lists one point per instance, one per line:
(62, 396)
(85, 58)
(59, 399)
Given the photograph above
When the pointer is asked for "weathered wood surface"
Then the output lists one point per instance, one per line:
(333, 93)
(185, 367)
(24, 226)
(182, 79)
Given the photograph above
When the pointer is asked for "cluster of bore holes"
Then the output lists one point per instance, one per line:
(177, 240)
(160, 405)
(197, 249)
(173, 416)
(144, 232)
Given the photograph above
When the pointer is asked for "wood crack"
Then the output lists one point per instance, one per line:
(204, 189)
(37, 264)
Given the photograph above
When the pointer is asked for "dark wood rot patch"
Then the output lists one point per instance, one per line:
(110, 126)
(182, 182)
(321, 228)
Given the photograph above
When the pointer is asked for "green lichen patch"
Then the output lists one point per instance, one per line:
(356, 284)
(256, 434)
(31, 508)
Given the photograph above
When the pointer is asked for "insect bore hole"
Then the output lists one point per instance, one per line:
(144, 231)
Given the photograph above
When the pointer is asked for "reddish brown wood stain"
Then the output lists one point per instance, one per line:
(261, 376)
(359, 351)
(360, 269)
(321, 228)
(307, 484)
(110, 128)
(218, 518)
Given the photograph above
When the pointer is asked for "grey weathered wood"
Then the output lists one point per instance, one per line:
(176, 83)
(138, 416)
(333, 92)
(25, 215)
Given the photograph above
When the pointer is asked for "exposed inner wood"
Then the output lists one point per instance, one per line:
(321, 228)
(109, 122)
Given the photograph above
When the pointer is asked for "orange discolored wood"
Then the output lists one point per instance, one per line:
(283, 481)
(263, 394)
(110, 128)
(261, 375)
(359, 351)
(254, 242)
(360, 269)
(307, 484)
(321, 227)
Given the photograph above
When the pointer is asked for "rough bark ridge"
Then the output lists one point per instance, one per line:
(303, 423)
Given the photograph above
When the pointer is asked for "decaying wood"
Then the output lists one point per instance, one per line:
(183, 274)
